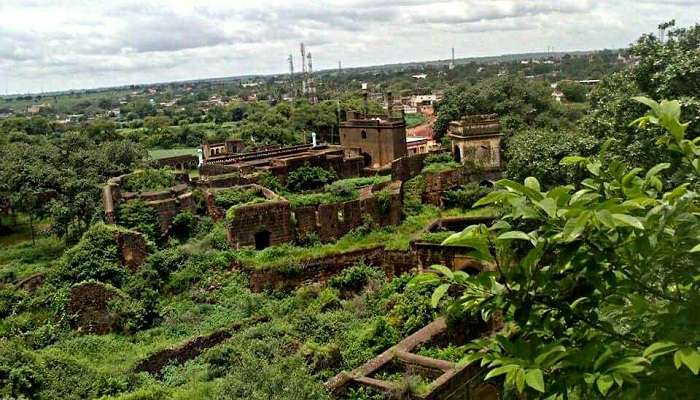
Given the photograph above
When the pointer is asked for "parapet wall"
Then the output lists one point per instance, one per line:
(331, 221)
(321, 269)
(167, 203)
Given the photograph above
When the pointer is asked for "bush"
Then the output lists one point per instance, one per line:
(139, 216)
(183, 225)
(355, 278)
(96, 256)
(309, 178)
(438, 158)
(367, 341)
(20, 372)
(237, 196)
(465, 196)
(149, 180)
(537, 152)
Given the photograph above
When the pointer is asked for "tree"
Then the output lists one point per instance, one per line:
(538, 151)
(573, 91)
(597, 283)
(517, 101)
(668, 69)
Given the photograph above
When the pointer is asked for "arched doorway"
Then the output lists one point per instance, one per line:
(262, 240)
(458, 154)
(368, 159)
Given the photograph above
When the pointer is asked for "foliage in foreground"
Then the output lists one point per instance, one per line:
(598, 283)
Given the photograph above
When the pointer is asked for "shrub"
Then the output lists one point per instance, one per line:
(355, 278)
(383, 201)
(440, 158)
(269, 181)
(309, 178)
(237, 196)
(366, 341)
(183, 225)
(139, 216)
(149, 180)
(96, 256)
(20, 372)
(465, 196)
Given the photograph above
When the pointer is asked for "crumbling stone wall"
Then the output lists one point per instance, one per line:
(133, 249)
(407, 167)
(270, 218)
(167, 203)
(331, 221)
(438, 182)
(89, 305)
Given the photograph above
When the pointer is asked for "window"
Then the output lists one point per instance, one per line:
(364, 135)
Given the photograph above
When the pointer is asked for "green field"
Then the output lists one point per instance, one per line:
(157, 154)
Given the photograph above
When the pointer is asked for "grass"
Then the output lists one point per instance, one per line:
(157, 154)
(438, 167)
(413, 120)
(392, 238)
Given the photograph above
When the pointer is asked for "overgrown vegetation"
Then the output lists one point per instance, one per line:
(148, 180)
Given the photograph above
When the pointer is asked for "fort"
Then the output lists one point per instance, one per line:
(370, 145)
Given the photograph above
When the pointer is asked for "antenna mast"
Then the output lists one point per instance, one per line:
(310, 82)
(303, 69)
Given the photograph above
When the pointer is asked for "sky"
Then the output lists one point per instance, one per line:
(59, 44)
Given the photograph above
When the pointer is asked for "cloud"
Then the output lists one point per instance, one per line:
(78, 43)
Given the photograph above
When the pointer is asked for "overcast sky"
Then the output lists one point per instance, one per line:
(70, 44)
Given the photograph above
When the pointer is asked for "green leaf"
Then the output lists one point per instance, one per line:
(520, 380)
(604, 383)
(423, 279)
(446, 272)
(571, 160)
(677, 360)
(695, 249)
(438, 294)
(514, 235)
(549, 205)
(594, 167)
(500, 371)
(648, 102)
(691, 358)
(659, 348)
(574, 227)
(628, 220)
(532, 183)
(534, 379)
(656, 169)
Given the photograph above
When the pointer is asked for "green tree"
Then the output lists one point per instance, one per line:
(597, 283)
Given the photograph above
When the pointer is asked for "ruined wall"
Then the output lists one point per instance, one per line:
(436, 183)
(407, 167)
(88, 304)
(133, 249)
(313, 270)
(393, 262)
(167, 203)
(331, 221)
(269, 219)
